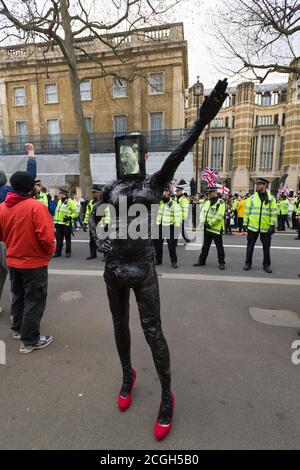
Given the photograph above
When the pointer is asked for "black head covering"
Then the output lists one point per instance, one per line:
(262, 180)
(22, 182)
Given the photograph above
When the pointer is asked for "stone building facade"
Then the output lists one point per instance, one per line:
(257, 133)
(35, 94)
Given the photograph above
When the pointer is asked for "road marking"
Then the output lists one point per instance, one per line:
(187, 277)
(225, 246)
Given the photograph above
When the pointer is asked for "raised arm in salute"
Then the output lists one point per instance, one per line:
(130, 263)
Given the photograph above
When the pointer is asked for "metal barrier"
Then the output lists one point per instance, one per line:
(158, 141)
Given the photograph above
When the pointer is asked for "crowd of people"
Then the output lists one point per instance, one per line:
(30, 220)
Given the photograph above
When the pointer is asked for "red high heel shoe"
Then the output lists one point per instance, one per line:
(162, 430)
(125, 402)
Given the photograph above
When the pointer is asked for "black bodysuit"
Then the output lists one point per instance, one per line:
(130, 263)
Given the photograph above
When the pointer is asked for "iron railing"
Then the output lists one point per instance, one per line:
(157, 141)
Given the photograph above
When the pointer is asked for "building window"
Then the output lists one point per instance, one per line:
(89, 124)
(274, 98)
(253, 154)
(276, 119)
(120, 124)
(281, 152)
(206, 150)
(217, 122)
(266, 152)
(266, 99)
(51, 93)
(119, 88)
(233, 122)
(227, 122)
(85, 91)
(264, 120)
(156, 82)
(230, 147)
(217, 153)
(230, 101)
(19, 96)
(283, 120)
(156, 125)
(53, 134)
(22, 134)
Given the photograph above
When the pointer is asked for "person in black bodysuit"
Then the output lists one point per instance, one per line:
(130, 263)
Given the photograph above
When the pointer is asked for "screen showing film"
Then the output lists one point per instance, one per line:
(130, 155)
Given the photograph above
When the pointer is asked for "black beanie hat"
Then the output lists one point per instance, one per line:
(22, 182)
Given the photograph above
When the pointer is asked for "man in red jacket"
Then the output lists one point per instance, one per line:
(27, 229)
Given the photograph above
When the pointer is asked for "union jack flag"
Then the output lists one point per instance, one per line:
(210, 176)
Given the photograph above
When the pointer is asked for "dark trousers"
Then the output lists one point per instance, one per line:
(294, 221)
(286, 221)
(240, 223)
(266, 242)
(298, 227)
(235, 219)
(281, 223)
(29, 294)
(172, 243)
(93, 247)
(184, 235)
(63, 232)
(145, 285)
(208, 238)
(228, 227)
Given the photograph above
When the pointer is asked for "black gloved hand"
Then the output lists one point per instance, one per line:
(245, 228)
(271, 230)
(84, 227)
(213, 103)
(206, 225)
(104, 246)
(67, 219)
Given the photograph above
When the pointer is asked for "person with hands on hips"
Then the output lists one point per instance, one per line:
(66, 211)
(260, 220)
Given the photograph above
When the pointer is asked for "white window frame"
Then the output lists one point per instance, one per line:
(45, 93)
(92, 124)
(89, 91)
(266, 157)
(19, 88)
(55, 144)
(22, 138)
(119, 87)
(114, 123)
(152, 91)
(152, 135)
(217, 159)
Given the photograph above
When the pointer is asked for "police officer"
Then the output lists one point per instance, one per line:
(169, 219)
(184, 204)
(39, 194)
(282, 211)
(66, 211)
(212, 216)
(260, 219)
(296, 211)
(96, 192)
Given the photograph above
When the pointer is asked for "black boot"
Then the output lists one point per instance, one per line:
(268, 269)
(199, 263)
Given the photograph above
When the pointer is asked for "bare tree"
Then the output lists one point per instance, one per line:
(259, 37)
(71, 25)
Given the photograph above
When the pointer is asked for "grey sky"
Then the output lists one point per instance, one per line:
(195, 15)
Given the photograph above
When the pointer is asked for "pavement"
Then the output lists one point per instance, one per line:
(235, 384)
